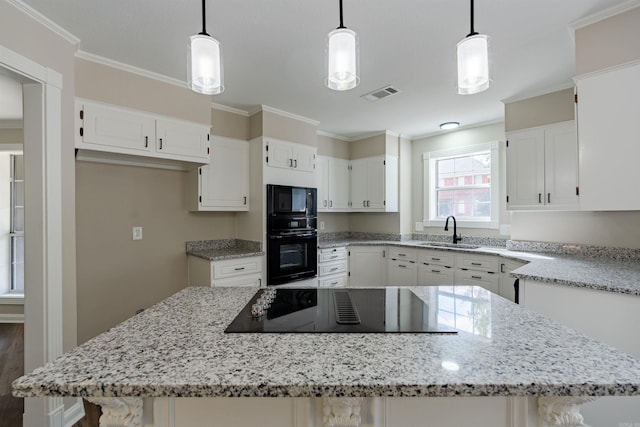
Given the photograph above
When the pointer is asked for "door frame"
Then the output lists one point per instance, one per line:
(42, 97)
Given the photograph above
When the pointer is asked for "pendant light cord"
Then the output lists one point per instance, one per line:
(204, 21)
(341, 21)
(472, 33)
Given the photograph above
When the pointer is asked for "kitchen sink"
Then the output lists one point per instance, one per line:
(448, 245)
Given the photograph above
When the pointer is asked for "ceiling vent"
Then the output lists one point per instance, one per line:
(383, 92)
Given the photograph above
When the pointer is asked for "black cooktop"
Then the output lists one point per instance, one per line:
(340, 310)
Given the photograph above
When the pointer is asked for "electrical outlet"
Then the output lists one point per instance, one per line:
(321, 225)
(137, 233)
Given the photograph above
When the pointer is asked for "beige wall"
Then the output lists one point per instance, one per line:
(461, 138)
(334, 221)
(113, 86)
(332, 147)
(25, 36)
(229, 124)
(117, 275)
(11, 136)
(609, 42)
(288, 129)
(541, 110)
(11, 309)
(619, 229)
(367, 147)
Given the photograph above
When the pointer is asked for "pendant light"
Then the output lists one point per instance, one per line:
(204, 62)
(343, 58)
(473, 62)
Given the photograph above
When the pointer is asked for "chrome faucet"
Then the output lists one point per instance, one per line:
(456, 237)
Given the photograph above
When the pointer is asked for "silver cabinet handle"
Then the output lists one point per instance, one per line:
(324, 203)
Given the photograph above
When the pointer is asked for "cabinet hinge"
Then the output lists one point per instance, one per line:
(577, 191)
(81, 132)
(81, 114)
(199, 171)
(384, 203)
(200, 199)
(507, 199)
(575, 98)
(349, 253)
(384, 162)
(507, 143)
(349, 274)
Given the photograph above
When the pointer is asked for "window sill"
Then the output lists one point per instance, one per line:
(12, 299)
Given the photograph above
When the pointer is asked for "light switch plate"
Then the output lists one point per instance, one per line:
(137, 233)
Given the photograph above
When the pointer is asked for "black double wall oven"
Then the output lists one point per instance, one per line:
(292, 237)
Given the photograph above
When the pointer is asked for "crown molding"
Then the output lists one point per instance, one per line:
(333, 135)
(284, 114)
(607, 70)
(129, 68)
(46, 22)
(604, 14)
(533, 94)
(228, 109)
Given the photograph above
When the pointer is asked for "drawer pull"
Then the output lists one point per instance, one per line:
(334, 250)
(476, 277)
(239, 268)
(334, 269)
(334, 283)
(402, 254)
(334, 256)
(435, 259)
(402, 266)
(476, 263)
(435, 271)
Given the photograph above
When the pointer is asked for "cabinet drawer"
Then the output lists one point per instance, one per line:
(402, 254)
(332, 268)
(486, 280)
(339, 281)
(246, 281)
(236, 267)
(332, 254)
(437, 258)
(435, 275)
(479, 263)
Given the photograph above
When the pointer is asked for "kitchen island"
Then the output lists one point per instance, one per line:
(178, 349)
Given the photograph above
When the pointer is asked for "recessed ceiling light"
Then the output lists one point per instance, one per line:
(449, 125)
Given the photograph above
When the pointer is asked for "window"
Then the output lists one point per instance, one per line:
(16, 231)
(462, 182)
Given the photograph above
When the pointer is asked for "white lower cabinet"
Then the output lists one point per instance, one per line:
(478, 270)
(435, 268)
(507, 282)
(333, 267)
(367, 266)
(402, 267)
(234, 272)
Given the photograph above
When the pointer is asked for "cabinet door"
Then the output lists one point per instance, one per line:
(359, 185)
(402, 273)
(609, 139)
(322, 176)
(224, 183)
(367, 266)
(561, 166)
(525, 169)
(279, 154)
(113, 127)
(376, 183)
(177, 138)
(339, 184)
(304, 158)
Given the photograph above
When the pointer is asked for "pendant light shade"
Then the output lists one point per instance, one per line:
(342, 58)
(204, 62)
(473, 62)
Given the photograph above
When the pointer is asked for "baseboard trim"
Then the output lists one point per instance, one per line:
(74, 413)
(11, 318)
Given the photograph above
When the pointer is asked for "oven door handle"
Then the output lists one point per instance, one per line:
(289, 236)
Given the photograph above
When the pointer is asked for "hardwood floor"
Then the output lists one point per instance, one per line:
(11, 367)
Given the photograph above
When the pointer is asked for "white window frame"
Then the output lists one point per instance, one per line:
(429, 209)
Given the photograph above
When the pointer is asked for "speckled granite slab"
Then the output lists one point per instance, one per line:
(178, 348)
(215, 250)
(587, 251)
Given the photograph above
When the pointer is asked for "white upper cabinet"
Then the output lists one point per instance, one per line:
(289, 155)
(542, 168)
(609, 138)
(333, 184)
(223, 185)
(374, 184)
(125, 132)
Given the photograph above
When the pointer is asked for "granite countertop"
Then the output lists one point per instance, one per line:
(178, 348)
(609, 269)
(216, 250)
